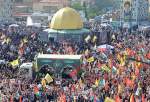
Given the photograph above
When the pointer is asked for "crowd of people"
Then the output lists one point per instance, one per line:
(121, 74)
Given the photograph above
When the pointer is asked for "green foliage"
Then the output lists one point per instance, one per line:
(97, 8)
(93, 11)
(101, 4)
(77, 6)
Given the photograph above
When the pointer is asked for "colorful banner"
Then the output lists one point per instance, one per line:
(127, 10)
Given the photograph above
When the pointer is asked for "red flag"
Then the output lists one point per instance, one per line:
(99, 65)
(137, 72)
(143, 98)
(132, 53)
(36, 90)
(148, 55)
(11, 98)
(95, 98)
(20, 99)
(63, 98)
(117, 99)
(102, 49)
(21, 50)
(73, 73)
(129, 82)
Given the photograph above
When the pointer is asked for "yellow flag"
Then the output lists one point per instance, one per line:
(94, 38)
(96, 82)
(137, 64)
(80, 81)
(5, 40)
(91, 59)
(107, 99)
(132, 98)
(133, 77)
(25, 40)
(105, 68)
(119, 89)
(48, 78)
(86, 52)
(118, 56)
(8, 40)
(43, 82)
(15, 62)
(139, 84)
(122, 62)
(74, 98)
(95, 46)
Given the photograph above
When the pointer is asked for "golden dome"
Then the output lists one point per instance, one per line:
(66, 18)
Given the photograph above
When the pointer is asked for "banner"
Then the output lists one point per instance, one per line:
(127, 10)
(87, 38)
(48, 78)
(29, 21)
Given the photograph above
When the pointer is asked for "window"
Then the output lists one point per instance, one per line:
(49, 9)
(18, 0)
(24, 10)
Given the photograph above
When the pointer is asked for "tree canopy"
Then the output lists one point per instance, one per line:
(100, 6)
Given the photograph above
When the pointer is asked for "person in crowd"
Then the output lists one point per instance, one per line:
(120, 75)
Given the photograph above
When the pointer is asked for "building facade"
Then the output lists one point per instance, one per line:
(24, 8)
(49, 6)
(6, 9)
(140, 9)
(88, 2)
(135, 11)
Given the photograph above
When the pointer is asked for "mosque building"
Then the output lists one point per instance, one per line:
(67, 24)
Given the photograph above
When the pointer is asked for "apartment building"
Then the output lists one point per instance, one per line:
(6, 9)
(24, 8)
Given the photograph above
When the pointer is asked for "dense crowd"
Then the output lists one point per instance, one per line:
(118, 75)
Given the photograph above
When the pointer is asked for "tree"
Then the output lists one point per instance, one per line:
(77, 6)
(97, 9)
(101, 4)
(93, 11)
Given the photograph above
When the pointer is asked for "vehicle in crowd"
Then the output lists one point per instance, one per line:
(26, 70)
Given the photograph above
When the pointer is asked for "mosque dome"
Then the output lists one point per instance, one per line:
(66, 18)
